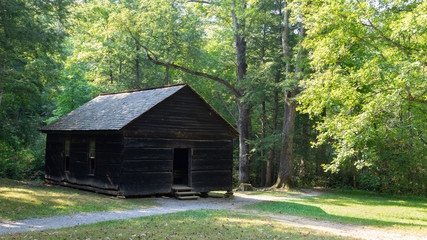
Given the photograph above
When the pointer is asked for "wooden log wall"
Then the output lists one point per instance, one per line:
(108, 150)
(148, 164)
(184, 116)
(54, 158)
(146, 169)
(212, 165)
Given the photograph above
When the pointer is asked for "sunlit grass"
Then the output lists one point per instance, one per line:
(408, 213)
(202, 224)
(21, 200)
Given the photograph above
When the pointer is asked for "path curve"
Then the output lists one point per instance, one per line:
(167, 205)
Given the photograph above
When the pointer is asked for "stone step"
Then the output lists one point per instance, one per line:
(187, 197)
(185, 193)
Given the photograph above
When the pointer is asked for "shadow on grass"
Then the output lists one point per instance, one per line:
(21, 200)
(315, 212)
(196, 224)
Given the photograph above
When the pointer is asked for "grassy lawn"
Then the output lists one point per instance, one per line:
(362, 208)
(21, 200)
(203, 224)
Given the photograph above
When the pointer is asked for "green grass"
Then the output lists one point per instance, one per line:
(202, 224)
(361, 208)
(21, 200)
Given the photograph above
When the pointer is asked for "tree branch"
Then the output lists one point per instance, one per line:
(413, 99)
(382, 35)
(203, 2)
(153, 58)
(227, 107)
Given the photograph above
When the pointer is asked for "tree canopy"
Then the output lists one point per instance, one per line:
(321, 91)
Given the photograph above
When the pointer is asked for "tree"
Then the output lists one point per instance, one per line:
(235, 10)
(369, 61)
(30, 55)
(294, 71)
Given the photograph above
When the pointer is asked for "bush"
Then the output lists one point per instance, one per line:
(21, 163)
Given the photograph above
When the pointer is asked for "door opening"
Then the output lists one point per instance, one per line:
(181, 159)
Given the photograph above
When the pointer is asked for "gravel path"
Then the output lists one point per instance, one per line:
(168, 205)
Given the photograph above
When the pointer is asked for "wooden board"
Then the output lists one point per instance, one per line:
(148, 153)
(212, 164)
(213, 153)
(183, 115)
(175, 143)
(142, 178)
(212, 179)
(143, 190)
(147, 165)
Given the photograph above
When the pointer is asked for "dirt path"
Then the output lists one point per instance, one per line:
(167, 205)
(339, 229)
(171, 205)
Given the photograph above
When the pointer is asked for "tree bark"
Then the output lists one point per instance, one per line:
(263, 166)
(244, 121)
(284, 179)
(2, 80)
(272, 152)
(244, 129)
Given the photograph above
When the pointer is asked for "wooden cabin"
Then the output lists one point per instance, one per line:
(141, 142)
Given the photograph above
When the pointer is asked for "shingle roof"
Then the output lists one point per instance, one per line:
(112, 111)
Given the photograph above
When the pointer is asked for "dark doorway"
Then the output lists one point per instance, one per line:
(181, 159)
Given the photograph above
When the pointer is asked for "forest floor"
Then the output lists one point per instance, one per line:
(171, 205)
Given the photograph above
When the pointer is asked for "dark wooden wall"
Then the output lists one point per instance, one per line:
(211, 167)
(54, 158)
(108, 160)
(146, 169)
(185, 116)
(148, 164)
(138, 160)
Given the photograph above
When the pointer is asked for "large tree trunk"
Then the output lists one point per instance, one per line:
(262, 169)
(244, 121)
(269, 167)
(2, 80)
(272, 152)
(244, 129)
(284, 179)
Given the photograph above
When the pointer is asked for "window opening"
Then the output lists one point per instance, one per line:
(67, 155)
(92, 157)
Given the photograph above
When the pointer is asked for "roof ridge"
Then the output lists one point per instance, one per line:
(145, 89)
